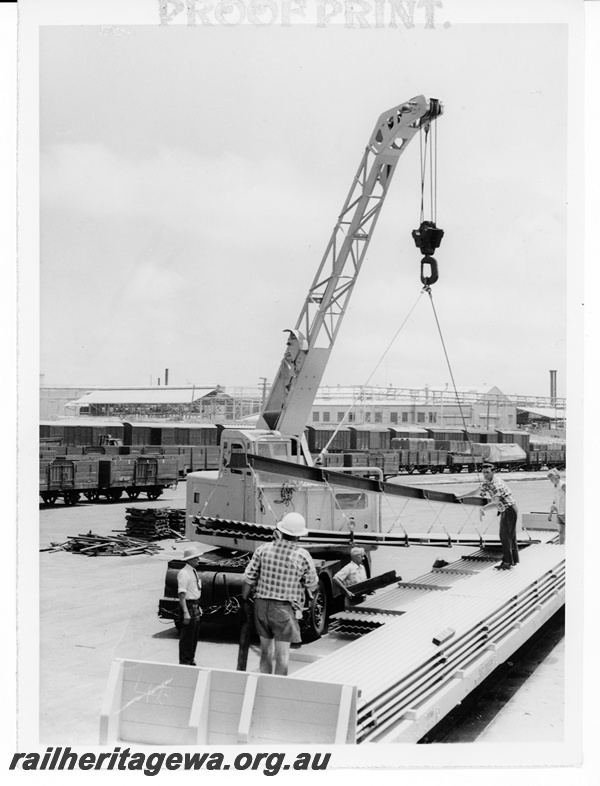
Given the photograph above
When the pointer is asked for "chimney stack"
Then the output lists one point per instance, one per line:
(553, 387)
(166, 376)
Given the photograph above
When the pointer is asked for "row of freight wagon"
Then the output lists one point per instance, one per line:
(70, 469)
(395, 461)
(433, 450)
(82, 431)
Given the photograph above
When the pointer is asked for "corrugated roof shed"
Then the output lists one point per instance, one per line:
(80, 421)
(162, 395)
(545, 412)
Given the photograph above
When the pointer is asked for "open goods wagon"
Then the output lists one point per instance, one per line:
(94, 476)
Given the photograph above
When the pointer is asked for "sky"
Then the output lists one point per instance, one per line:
(190, 178)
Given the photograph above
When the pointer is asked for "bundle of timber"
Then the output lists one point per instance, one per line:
(155, 523)
(104, 545)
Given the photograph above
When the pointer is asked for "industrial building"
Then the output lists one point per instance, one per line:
(481, 406)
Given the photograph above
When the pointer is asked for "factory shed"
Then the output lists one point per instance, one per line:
(150, 402)
(158, 395)
(541, 415)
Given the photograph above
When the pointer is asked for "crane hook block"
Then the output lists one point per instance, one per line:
(433, 276)
(427, 237)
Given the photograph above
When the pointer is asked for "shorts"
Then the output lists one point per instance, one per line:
(275, 619)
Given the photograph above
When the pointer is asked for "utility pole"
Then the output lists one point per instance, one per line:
(264, 391)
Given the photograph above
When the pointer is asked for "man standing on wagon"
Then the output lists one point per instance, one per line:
(558, 502)
(501, 499)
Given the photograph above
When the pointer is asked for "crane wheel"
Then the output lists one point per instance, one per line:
(314, 623)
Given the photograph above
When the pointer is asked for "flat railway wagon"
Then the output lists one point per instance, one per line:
(93, 476)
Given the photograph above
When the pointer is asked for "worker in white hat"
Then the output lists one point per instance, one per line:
(188, 590)
(352, 573)
(280, 572)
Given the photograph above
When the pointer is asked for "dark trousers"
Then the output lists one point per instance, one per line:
(188, 633)
(508, 535)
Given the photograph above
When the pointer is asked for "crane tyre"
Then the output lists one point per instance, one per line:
(315, 622)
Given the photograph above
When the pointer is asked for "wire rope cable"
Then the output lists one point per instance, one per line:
(460, 409)
(364, 385)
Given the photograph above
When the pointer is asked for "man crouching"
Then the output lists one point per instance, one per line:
(279, 572)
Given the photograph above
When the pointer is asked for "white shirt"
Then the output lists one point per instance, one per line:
(351, 574)
(188, 581)
(560, 497)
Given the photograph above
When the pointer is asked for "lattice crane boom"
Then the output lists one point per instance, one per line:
(310, 343)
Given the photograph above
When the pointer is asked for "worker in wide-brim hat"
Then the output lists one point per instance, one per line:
(279, 573)
(189, 590)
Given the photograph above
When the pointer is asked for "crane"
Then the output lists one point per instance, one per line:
(254, 493)
(310, 342)
(456, 634)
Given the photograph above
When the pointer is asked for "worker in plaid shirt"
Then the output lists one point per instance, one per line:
(502, 499)
(279, 572)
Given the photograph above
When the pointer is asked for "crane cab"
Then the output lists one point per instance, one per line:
(259, 442)
(243, 494)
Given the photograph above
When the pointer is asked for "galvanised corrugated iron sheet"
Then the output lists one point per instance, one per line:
(244, 529)
(367, 616)
(398, 666)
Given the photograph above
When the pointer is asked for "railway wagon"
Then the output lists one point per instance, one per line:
(481, 435)
(503, 455)
(406, 432)
(68, 478)
(424, 460)
(133, 474)
(189, 458)
(318, 439)
(71, 477)
(458, 461)
(388, 461)
(445, 433)
(370, 437)
(516, 437)
(159, 433)
(74, 432)
(546, 453)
